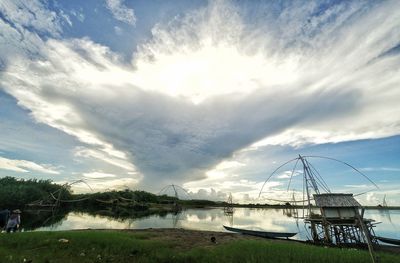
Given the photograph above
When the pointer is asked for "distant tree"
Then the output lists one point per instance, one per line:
(16, 193)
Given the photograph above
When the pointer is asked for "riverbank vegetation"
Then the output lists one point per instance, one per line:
(19, 193)
(177, 246)
(16, 193)
(33, 193)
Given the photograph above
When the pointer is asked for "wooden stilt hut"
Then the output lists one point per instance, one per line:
(340, 220)
(333, 218)
(337, 218)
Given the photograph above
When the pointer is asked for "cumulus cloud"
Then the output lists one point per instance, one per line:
(26, 166)
(162, 135)
(215, 81)
(209, 194)
(121, 12)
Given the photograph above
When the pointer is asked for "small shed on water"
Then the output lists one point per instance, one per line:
(341, 220)
(336, 206)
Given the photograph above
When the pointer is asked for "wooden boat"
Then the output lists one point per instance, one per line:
(260, 233)
(389, 240)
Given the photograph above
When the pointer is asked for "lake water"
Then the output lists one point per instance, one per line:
(213, 219)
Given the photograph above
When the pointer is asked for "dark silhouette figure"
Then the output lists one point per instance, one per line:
(14, 221)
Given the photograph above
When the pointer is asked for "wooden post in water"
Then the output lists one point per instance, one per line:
(367, 236)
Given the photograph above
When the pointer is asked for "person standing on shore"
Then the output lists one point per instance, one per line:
(14, 221)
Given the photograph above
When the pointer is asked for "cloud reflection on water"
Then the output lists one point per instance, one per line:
(214, 219)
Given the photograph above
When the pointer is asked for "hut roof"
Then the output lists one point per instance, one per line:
(335, 200)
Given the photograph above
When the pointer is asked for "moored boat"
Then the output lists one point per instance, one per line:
(389, 240)
(265, 234)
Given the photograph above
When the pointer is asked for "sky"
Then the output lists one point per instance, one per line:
(212, 96)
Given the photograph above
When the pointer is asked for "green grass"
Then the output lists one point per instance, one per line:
(256, 251)
(83, 246)
(114, 246)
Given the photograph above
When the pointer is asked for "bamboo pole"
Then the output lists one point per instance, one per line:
(367, 237)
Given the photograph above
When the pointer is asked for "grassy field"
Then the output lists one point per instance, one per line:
(127, 246)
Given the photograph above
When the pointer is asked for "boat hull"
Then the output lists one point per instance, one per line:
(389, 240)
(264, 234)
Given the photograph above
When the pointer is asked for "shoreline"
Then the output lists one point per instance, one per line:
(190, 238)
(169, 245)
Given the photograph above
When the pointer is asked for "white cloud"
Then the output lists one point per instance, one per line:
(385, 169)
(33, 14)
(66, 18)
(184, 51)
(357, 186)
(390, 193)
(211, 194)
(105, 156)
(121, 12)
(78, 14)
(298, 137)
(25, 166)
(16, 42)
(105, 184)
(62, 115)
(98, 175)
(242, 190)
(288, 174)
(210, 84)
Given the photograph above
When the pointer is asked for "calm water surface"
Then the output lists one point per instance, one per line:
(213, 219)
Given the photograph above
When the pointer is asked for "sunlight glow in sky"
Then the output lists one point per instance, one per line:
(212, 71)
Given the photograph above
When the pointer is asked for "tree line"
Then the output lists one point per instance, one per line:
(17, 193)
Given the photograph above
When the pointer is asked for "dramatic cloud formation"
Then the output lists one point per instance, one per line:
(210, 83)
